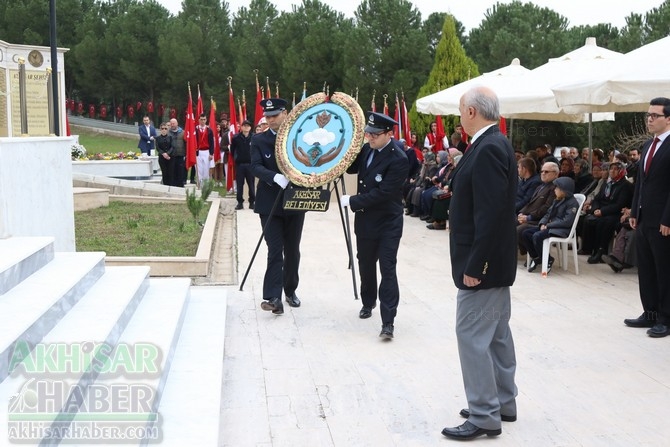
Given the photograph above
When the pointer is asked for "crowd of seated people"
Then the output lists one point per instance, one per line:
(603, 230)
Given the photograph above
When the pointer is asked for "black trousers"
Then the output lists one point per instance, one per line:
(179, 170)
(384, 250)
(282, 237)
(242, 174)
(598, 232)
(653, 265)
(167, 170)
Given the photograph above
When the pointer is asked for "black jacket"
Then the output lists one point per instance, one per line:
(482, 220)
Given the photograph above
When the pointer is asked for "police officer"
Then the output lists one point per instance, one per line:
(284, 228)
(382, 168)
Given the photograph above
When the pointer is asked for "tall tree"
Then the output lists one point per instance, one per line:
(319, 50)
(252, 32)
(390, 31)
(432, 26)
(516, 29)
(451, 66)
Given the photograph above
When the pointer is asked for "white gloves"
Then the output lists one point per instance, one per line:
(281, 180)
(344, 201)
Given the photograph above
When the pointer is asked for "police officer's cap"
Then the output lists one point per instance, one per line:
(378, 122)
(273, 106)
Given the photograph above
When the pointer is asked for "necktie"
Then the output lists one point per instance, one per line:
(371, 157)
(647, 163)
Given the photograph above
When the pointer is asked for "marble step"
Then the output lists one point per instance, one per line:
(191, 402)
(100, 316)
(36, 305)
(20, 257)
(152, 333)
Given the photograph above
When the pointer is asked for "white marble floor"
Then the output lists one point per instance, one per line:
(320, 376)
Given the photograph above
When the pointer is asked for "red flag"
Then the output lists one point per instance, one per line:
(373, 106)
(200, 110)
(258, 111)
(405, 127)
(233, 129)
(397, 129)
(212, 127)
(503, 125)
(386, 106)
(239, 110)
(439, 138)
(268, 94)
(67, 126)
(190, 132)
(243, 115)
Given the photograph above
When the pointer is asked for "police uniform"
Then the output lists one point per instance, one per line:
(283, 233)
(379, 220)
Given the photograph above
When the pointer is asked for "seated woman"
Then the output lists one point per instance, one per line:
(557, 222)
(567, 168)
(424, 181)
(442, 198)
(583, 178)
(444, 167)
(604, 212)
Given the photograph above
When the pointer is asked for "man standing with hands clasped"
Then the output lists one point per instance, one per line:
(382, 169)
(483, 244)
(283, 229)
(650, 218)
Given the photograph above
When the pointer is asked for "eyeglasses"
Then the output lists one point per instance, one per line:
(653, 116)
(547, 172)
(164, 128)
(375, 135)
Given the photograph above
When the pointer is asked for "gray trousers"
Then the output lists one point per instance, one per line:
(486, 351)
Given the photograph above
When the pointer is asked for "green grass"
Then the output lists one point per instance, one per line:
(139, 229)
(96, 142)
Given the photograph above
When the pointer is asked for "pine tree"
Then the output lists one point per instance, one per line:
(452, 66)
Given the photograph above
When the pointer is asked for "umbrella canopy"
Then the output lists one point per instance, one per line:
(625, 84)
(521, 96)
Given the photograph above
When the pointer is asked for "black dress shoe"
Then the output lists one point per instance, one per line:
(468, 431)
(251, 205)
(465, 412)
(534, 262)
(595, 257)
(387, 331)
(659, 330)
(550, 263)
(293, 300)
(613, 262)
(640, 321)
(366, 312)
(239, 206)
(273, 304)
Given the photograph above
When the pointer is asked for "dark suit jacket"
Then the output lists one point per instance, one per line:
(651, 201)
(264, 166)
(378, 202)
(620, 196)
(540, 202)
(482, 221)
(145, 144)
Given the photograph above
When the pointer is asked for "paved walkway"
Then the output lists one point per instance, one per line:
(320, 376)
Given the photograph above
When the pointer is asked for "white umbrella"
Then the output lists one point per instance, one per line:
(521, 96)
(625, 84)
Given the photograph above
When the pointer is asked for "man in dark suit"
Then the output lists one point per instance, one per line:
(650, 217)
(283, 229)
(482, 243)
(148, 134)
(536, 208)
(382, 168)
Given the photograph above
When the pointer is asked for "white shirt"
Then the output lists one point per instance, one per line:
(480, 132)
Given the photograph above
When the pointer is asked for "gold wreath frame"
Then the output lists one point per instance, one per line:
(315, 180)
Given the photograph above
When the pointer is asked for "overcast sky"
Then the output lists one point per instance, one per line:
(471, 12)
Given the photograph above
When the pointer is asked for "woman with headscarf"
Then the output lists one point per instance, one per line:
(603, 216)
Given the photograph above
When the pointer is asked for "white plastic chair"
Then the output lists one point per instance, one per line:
(562, 243)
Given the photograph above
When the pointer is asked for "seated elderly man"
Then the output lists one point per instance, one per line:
(539, 203)
(603, 215)
(528, 182)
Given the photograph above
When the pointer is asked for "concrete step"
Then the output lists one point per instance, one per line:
(191, 403)
(151, 337)
(35, 306)
(90, 198)
(64, 357)
(20, 257)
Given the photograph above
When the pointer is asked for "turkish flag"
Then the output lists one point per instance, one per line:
(190, 133)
